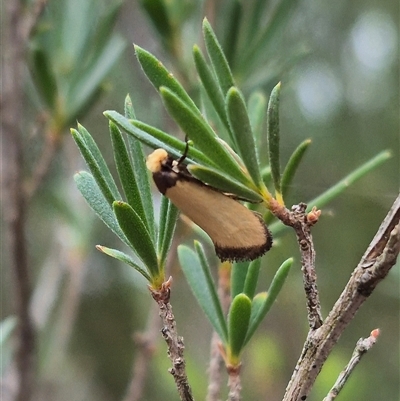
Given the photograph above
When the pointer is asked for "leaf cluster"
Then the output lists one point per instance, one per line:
(231, 166)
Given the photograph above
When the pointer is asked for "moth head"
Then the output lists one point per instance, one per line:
(156, 160)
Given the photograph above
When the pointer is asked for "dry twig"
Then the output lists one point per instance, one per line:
(362, 347)
(374, 266)
(174, 342)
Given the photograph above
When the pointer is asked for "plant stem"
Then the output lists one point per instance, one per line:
(362, 347)
(19, 23)
(379, 258)
(174, 342)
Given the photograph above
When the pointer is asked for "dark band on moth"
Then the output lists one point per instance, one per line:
(246, 253)
(238, 233)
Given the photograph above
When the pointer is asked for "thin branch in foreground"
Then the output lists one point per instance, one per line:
(374, 266)
(146, 343)
(174, 342)
(234, 384)
(362, 347)
(302, 223)
(304, 238)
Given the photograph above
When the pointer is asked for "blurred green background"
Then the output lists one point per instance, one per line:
(339, 67)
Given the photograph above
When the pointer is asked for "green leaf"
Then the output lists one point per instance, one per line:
(235, 14)
(96, 164)
(202, 135)
(273, 137)
(158, 14)
(138, 236)
(256, 107)
(140, 172)
(260, 311)
(168, 217)
(211, 86)
(238, 324)
(159, 76)
(44, 77)
(124, 258)
(128, 108)
(98, 157)
(350, 179)
(94, 197)
(177, 147)
(155, 138)
(217, 57)
(292, 165)
(105, 29)
(238, 277)
(252, 278)
(277, 20)
(125, 172)
(198, 276)
(241, 128)
(86, 88)
(223, 183)
(339, 187)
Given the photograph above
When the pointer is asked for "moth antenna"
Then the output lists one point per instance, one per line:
(183, 157)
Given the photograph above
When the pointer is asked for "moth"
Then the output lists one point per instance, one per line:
(237, 233)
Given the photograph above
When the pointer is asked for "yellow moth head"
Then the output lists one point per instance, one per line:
(156, 159)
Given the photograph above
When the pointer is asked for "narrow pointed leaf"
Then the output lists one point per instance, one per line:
(140, 172)
(124, 258)
(257, 106)
(277, 20)
(293, 164)
(202, 135)
(108, 20)
(339, 187)
(44, 77)
(159, 76)
(96, 164)
(128, 108)
(98, 157)
(252, 278)
(223, 183)
(168, 217)
(235, 156)
(238, 277)
(193, 153)
(273, 137)
(85, 91)
(241, 128)
(211, 86)
(94, 197)
(238, 324)
(234, 19)
(199, 278)
(157, 11)
(350, 179)
(125, 172)
(217, 57)
(138, 236)
(258, 314)
(155, 138)
(266, 174)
